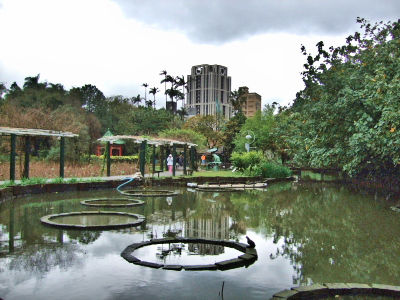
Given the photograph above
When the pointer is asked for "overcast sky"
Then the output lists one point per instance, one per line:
(118, 45)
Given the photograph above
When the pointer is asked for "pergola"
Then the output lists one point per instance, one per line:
(155, 142)
(27, 132)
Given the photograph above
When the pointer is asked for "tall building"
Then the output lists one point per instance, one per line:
(209, 88)
(252, 103)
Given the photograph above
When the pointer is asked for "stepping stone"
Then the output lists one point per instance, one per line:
(230, 264)
(200, 268)
(173, 267)
(247, 257)
(130, 258)
(311, 290)
(251, 251)
(148, 264)
(386, 290)
(338, 288)
(286, 294)
(359, 288)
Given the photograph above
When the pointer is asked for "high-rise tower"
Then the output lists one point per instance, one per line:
(209, 88)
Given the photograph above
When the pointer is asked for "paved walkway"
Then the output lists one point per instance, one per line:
(107, 178)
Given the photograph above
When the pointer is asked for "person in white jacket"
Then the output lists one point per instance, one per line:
(170, 162)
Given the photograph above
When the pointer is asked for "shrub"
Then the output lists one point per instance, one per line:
(274, 170)
(247, 161)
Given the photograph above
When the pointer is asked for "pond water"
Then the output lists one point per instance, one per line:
(304, 233)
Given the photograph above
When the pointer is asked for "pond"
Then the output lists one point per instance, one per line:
(304, 233)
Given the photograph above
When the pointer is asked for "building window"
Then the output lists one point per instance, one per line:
(198, 92)
(197, 109)
(190, 97)
(206, 110)
(222, 82)
(206, 81)
(206, 91)
(198, 82)
(223, 110)
(222, 96)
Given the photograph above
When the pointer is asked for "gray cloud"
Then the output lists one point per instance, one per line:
(220, 21)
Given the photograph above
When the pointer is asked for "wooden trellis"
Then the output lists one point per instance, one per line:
(28, 132)
(155, 142)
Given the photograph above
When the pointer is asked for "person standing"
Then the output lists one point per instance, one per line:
(170, 162)
(203, 160)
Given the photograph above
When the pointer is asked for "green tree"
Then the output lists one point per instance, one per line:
(237, 98)
(185, 135)
(206, 125)
(230, 130)
(347, 111)
(261, 124)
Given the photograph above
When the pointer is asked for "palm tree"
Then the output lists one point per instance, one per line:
(180, 81)
(136, 100)
(148, 103)
(164, 72)
(154, 91)
(182, 112)
(145, 91)
(174, 93)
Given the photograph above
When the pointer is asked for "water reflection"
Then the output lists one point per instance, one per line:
(304, 233)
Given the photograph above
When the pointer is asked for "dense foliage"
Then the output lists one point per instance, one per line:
(82, 110)
(254, 163)
(347, 115)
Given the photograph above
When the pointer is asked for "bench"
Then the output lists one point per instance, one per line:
(158, 173)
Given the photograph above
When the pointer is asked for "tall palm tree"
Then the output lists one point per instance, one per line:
(180, 82)
(154, 91)
(145, 91)
(164, 72)
(136, 100)
(174, 93)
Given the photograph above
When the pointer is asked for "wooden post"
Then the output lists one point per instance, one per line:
(173, 159)
(154, 158)
(184, 159)
(62, 147)
(162, 158)
(12, 157)
(108, 154)
(142, 162)
(192, 157)
(27, 152)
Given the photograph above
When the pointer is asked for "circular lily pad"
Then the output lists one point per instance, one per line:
(149, 193)
(93, 220)
(248, 257)
(216, 189)
(112, 202)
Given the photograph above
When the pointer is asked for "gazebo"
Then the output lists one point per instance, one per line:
(163, 143)
(116, 149)
(27, 133)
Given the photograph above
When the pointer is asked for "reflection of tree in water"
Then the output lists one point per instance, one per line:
(329, 234)
(41, 259)
(84, 236)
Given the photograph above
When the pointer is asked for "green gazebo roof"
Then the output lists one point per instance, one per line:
(109, 134)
